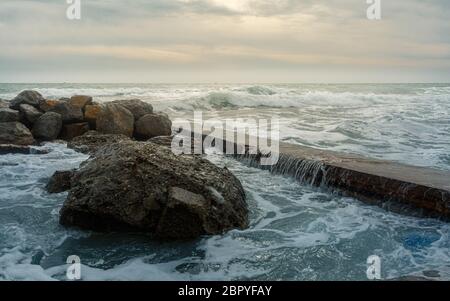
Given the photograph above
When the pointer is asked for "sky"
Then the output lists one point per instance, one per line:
(232, 41)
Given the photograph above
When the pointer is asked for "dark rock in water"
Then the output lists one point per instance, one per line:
(8, 115)
(29, 97)
(15, 133)
(20, 149)
(48, 104)
(90, 115)
(136, 106)
(91, 141)
(153, 125)
(60, 181)
(115, 119)
(145, 187)
(70, 131)
(80, 101)
(48, 126)
(30, 113)
(68, 112)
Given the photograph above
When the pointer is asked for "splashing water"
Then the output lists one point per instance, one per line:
(297, 232)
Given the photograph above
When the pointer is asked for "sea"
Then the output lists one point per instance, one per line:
(296, 232)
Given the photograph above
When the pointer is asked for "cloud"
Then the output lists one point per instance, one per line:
(241, 36)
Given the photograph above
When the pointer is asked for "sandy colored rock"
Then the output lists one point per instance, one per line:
(153, 125)
(80, 101)
(115, 119)
(90, 114)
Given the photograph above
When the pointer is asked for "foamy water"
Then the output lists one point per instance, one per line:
(296, 232)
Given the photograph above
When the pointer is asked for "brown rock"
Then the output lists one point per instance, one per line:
(70, 131)
(153, 125)
(80, 101)
(136, 106)
(115, 119)
(90, 114)
(48, 104)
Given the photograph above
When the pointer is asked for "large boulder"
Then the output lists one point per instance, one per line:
(70, 131)
(9, 115)
(153, 125)
(68, 112)
(145, 187)
(29, 97)
(91, 141)
(15, 133)
(80, 101)
(48, 104)
(136, 106)
(30, 114)
(48, 126)
(115, 119)
(90, 115)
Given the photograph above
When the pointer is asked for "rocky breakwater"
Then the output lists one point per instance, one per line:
(132, 181)
(30, 118)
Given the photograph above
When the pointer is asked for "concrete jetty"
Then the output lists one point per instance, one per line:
(394, 186)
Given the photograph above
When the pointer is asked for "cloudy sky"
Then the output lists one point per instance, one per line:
(225, 41)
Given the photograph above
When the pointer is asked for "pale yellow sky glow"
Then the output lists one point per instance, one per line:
(225, 41)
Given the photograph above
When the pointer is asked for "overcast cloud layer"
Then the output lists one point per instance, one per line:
(225, 41)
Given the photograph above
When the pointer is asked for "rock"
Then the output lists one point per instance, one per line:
(29, 113)
(60, 181)
(166, 141)
(68, 112)
(48, 104)
(115, 119)
(4, 103)
(136, 106)
(91, 141)
(29, 97)
(70, 131)
(20, 149)
(80, 101)
(48, 126)
(9, 115)
(90, 114)
(144, 186)
(15, 133)
(153, 125)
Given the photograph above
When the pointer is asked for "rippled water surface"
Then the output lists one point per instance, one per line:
(296, 232)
